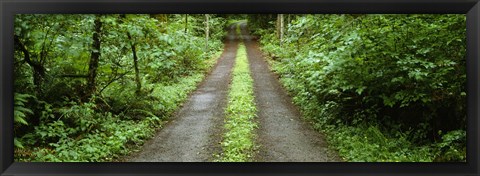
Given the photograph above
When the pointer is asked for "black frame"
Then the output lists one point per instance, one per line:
(8, 9)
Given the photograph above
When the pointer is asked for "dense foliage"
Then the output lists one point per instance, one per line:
(238, 140)
(92, 87)
(383, 87)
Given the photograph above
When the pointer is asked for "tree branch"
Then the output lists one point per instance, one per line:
(73, 76)
(22, 47)
(117, 77)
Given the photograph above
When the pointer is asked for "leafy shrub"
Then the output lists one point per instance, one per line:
(402, 74)
(452, 147)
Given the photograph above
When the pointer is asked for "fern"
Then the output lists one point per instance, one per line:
(20, 113)
(19, 108)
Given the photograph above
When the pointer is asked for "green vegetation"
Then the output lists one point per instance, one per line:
(382, 87)
(94, 87)
(238, 140)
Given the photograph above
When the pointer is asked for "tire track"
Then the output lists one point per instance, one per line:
(194, 133)
(283, 135)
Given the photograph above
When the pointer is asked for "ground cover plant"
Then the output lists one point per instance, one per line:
(238, 143)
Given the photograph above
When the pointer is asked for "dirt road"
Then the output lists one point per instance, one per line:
(282, 135)
(194, 133)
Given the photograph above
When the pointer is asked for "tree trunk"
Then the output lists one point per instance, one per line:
(282, 28)
(207, 32)
(289, 18)
(186, 23)
(135, 64)
(38, 69)
(135, 59)
(277, 26)
(94, 59)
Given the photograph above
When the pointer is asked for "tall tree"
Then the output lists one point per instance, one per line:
(135, 63)
(36, 43)
(281, 27)
(94, 58)
(207, 31)
(37, 67)
(186, 22)
(135, 58)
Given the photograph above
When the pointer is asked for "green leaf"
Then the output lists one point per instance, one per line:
(17, 143)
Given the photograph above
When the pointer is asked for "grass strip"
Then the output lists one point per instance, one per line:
(238, 141)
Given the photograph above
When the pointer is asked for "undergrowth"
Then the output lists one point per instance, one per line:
(79, 133)
(381, 87)
(367, 141)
